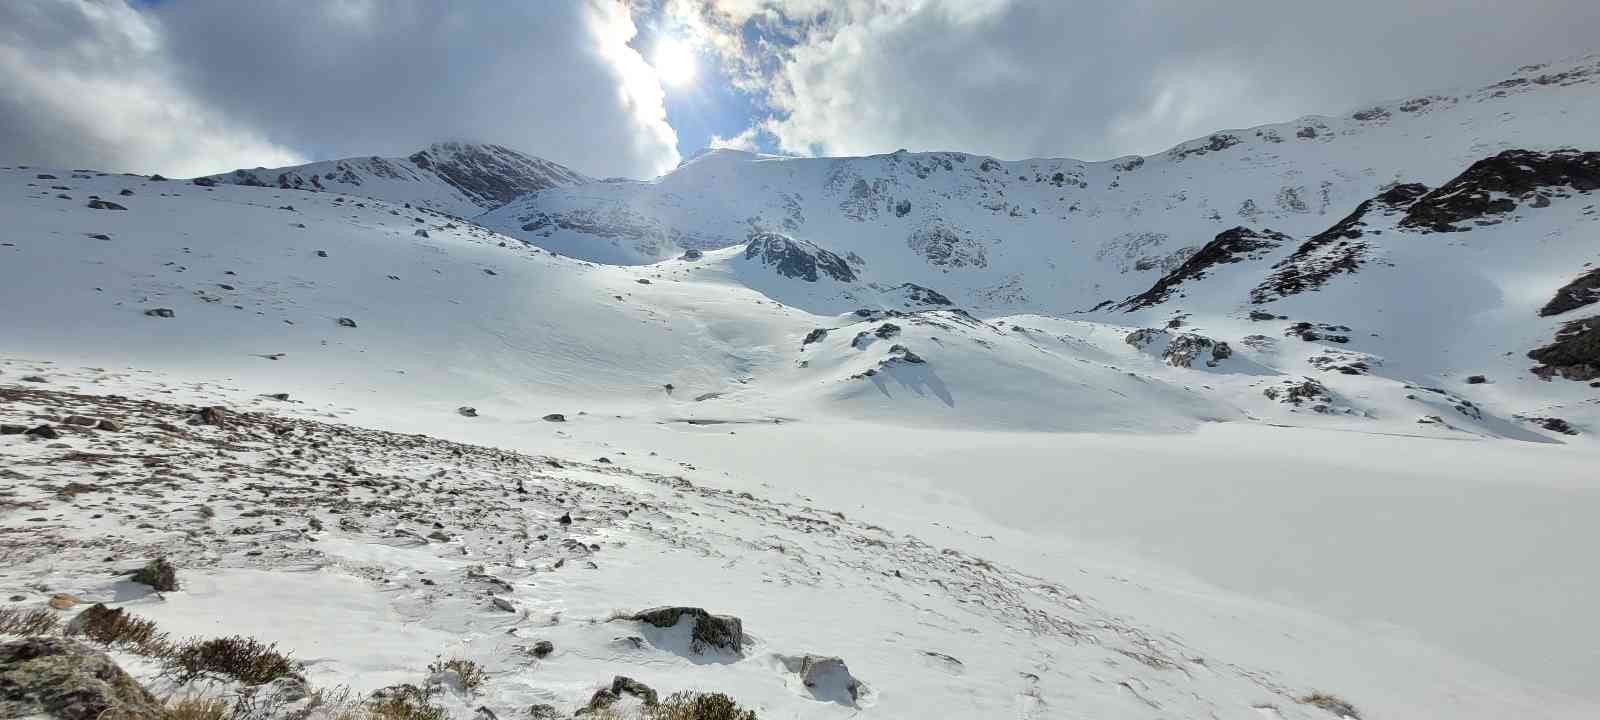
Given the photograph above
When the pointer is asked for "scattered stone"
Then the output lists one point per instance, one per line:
(816, 335)
(322, 253)
(420, 233)
(158, 574)
(1476, 379)
(643, 281)
(79, 420)
(887, 330)
(214, 415)
(157, 178)
(1575, 353)
(98, 204)
(98, 236)
(555, 417)
(719, 631)
(44, 431)
(284, 397)
(205, 182)
(543, 648)
(502, 604)
(63, 601)
(565, 519)
(606, 697)
(125, 192)
(34, 379)
(160, 312)
(466, 411)
(9, 429)
(828, 678)
(346, 322)
(692, 255)
(45, 176)
(68, 680)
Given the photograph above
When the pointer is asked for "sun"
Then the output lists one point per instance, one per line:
(674, 62)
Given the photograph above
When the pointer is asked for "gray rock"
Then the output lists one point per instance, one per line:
(543, 648)
(466, 411)
(346, 322)
(160, 312)
(8, 429)
(44, 431)
(555, 417)
(98, 204)
(158, 574)
(828, 678)
(719, 631)
(108, 425)
(66, 679)
(79, 420)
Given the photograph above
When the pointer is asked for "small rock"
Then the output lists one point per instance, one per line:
(157, 178)
(34, 379)
(827, 677)
(719, 631)
(125, 192)
(543, 648)
(279, 396)
(79, 420)
(98, 236)
(158, 574)
(501, 603)
(466, 411)
(44, 431)
(555, 417)
(9, 429)
(322, 253)
(1476, 379)
(62, 601)
(420, 233)
(643, 281)
(160, 312)
(214, 415)
(108, 425)
(205, 182)
(565, 519)
(104, 205)
(346, 322)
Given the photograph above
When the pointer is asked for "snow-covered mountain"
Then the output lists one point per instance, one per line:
(463, 179)
(1280, 415)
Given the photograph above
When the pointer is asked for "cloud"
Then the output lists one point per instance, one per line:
(1101, 78)
(86, 85)
(269, 81)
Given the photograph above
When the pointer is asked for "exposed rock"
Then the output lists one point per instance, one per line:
(158, 574)
(1312, 332)
(555, 417)
(322, 253)
(346, 322)
(945, 246)
(1494, 185)
(9, 429)
(82, 420)
(816, 335)
(98, 204)
(1585, 290)
(108, 425)
(1179, 349)
(691, 254)
(543, 648)
(214, 415)
(828, 678)
(160, 312)
(1574, 354)
(1229, 246)
(1476, 379)
(125, 192)
(1552, 424)
(68, 680)
(419, 232)
(1338, 249)
(913, 294)
(606, 697)
(904, 354)
(34, 379)
(719, 631)
(44, 431)
(796, 258)
(1296, 392)
(467, 411)
(62, 601)
(205, 182)
(887, 330)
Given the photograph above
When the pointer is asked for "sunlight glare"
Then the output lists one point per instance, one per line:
(674, 62)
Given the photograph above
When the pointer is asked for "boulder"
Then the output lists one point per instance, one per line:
(44, 431)
(543, 648)
(68, 680)
(828, 678)
(467, 411)
(108, 425)
(83, 420)
(9, 429)
(98, 204)
(205, 182)
(160, 312)
(555, 417)
(346, 322)
(724, 632)
(214, 415)
(158, 574)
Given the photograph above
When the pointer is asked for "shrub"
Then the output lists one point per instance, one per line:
(118, 627)
(197, 708)
(402, 702)
(686, 705)
(246, 660)
(16, 621)
(470, 672)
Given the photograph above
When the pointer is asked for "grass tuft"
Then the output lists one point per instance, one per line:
(16, 621)
(471, 673)
(1332, 703)
(119, 628)
(687, 705)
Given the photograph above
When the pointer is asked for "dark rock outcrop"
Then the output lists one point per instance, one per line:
(1338, 249)
(68, 680)
(1574, 354)
(158, 574)
(1229, 246)
(98, 204)
(1496, 185)
(1585, 290)
(796, 258)
(1180, 349)
(725, 632)
(160, 312)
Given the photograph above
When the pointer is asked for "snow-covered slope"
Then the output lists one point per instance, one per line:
(1058, 235)
(463, 179)
(849, 401)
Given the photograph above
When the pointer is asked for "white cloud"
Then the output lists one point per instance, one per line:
(1102, 78)
(199, 86)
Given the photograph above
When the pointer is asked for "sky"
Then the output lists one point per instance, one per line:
(631, 87)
